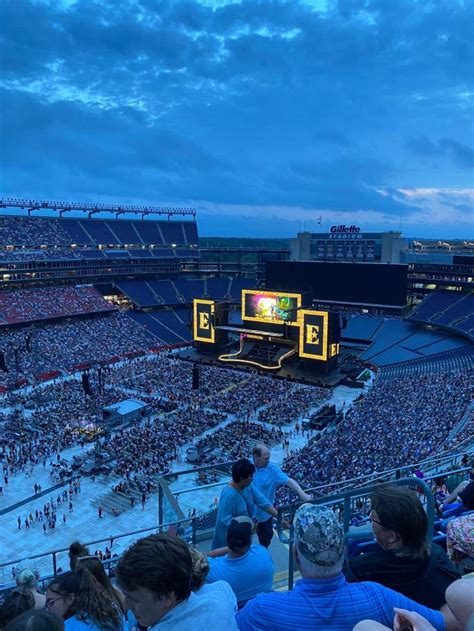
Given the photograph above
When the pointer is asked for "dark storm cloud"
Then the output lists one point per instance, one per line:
(264, 102)
(460, 154)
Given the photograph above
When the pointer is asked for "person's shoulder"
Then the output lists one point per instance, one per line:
(366, 563)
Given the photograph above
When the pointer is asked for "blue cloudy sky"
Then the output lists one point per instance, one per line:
(264, 114)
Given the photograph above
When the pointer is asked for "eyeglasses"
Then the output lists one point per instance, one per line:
(51, 601)
(376, 521)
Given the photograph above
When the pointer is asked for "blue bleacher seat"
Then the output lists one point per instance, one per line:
(165, 289)
(217, 287)
(124, 231)
(138, 292)
(172, 232)
(190, 288)
(76, 232)
(98, 230)
(190, 229)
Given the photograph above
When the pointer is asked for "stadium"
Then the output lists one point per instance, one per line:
(138, 369)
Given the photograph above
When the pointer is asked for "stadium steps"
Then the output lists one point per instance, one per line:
(457, 360)
(439, 314)
(106, 224)
(87, 232)
(185, 240)
(168, 328)
(465, 419)
(140, 240)
(159, 299)
(158, 227)
(180, 296)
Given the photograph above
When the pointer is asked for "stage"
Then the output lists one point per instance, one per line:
(292, 372)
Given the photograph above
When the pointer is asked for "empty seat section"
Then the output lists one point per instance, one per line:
(184, 313)
(140, 254)
(160, 253)
(99, 231)
(190, 288)
(169, 319)
(156, 327)
(76, 233)
(361, 328)
(466, 326)
(464, 306)
(391, 332)
(92, 254)
(448, 344)
(165, 289)
(422, 338)
(138, 292)
(217, 287)
(394, 355)
(241, 283)
(124, 231)
(151, 326)
(433, 304)
(117, 254)
(172, 232)
(190, 228)
(148, 232)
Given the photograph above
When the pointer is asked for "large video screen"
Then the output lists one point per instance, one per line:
(270, 307)
(358, 283)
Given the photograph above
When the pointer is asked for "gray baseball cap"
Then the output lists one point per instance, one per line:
(318, 535)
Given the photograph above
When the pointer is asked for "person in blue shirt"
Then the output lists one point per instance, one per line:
(84, 605)
(247, 568)
(239, 497)
(268, 476)
(323, 599)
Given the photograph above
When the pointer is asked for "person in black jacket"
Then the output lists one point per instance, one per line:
(406, 562)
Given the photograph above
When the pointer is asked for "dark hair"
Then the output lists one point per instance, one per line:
(242, 469)
(91, 601)
(399, 509)
(36, 620)
(96, 568)
(257, 450)
(160, 563)
(76, 550)
(17, 602)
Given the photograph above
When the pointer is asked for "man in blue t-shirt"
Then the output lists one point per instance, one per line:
(266, 479)
(247, 568)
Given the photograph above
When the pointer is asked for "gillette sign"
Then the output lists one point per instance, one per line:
(345, 232)
(343, 229)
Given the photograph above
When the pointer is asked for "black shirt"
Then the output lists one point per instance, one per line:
(423, 580)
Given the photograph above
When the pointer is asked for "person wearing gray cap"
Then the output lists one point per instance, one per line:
(323, 599)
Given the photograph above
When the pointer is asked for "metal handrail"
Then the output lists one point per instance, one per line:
(289, 510)
(157, 527)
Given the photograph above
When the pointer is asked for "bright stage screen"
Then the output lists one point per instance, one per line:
(270, 307)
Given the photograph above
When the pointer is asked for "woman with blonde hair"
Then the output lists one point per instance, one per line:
(27, 579)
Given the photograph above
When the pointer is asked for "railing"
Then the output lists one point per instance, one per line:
(344, 502)
(189, 525)
(189, 534)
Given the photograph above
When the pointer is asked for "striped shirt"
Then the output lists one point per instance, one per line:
(329, 603)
